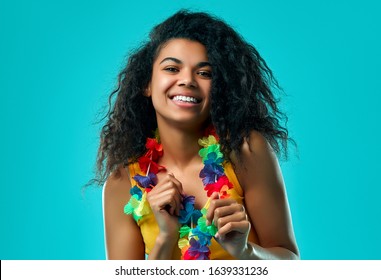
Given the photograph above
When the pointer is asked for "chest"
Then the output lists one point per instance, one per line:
(191, 184)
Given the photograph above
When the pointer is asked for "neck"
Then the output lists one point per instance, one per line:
(180, 147)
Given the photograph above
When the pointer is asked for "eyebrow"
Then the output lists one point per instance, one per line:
(178, 61)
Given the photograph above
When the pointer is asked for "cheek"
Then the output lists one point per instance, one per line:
(207, 87)
(162, 84)
(160, 87)
(167, 82)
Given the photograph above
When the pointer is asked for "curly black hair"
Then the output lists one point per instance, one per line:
(242, 97)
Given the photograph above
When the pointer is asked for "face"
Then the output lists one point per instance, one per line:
(180, 84)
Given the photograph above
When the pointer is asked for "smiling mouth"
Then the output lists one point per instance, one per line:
(186, 99)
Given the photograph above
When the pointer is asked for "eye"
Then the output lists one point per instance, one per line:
(205, 74)
(171, 69)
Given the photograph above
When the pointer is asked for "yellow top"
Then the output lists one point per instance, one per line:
(150, 229)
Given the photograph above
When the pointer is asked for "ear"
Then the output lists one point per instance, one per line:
(147, 91)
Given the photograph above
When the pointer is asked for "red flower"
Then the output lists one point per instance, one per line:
(210, 130)
(149, 160)
(146, 162)
(155, 149)
(221, 186)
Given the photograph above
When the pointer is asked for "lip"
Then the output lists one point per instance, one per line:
(172, 96)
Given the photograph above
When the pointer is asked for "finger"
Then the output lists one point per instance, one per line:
(167, 198)
(171, 178)
(170, 208)
(215, 195)
(217, 204)
(241, 227)
(168, 184)
(227, 210)
(168, 195)
(173, 199)
(235, 217)
(209, 213)
(166, 204)
(172, 184)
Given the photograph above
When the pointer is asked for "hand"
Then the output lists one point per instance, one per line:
(165, 201)
(232, 224)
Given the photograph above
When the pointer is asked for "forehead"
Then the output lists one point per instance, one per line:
(184, 50)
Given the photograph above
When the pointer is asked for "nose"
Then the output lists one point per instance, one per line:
(187, 79)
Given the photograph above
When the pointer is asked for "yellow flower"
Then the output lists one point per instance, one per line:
(144, 207)
(183, 242)
(207, 141)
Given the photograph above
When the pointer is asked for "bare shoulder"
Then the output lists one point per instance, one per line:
(258, 159)
(256, 146)
(118, 185)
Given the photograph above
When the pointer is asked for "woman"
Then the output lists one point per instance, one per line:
(188, 153)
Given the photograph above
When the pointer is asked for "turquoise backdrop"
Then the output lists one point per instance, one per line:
(58, 64)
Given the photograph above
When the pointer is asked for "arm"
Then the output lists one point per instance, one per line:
(265, 205)
(122, 235)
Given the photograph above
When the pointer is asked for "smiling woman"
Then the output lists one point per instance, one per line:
(180, 84)
(188, 153)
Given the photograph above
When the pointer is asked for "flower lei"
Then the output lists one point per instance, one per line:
(194, 241)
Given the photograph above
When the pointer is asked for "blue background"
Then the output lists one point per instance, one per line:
(58, 64)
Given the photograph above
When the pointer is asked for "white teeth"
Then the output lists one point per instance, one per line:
(185, 99)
